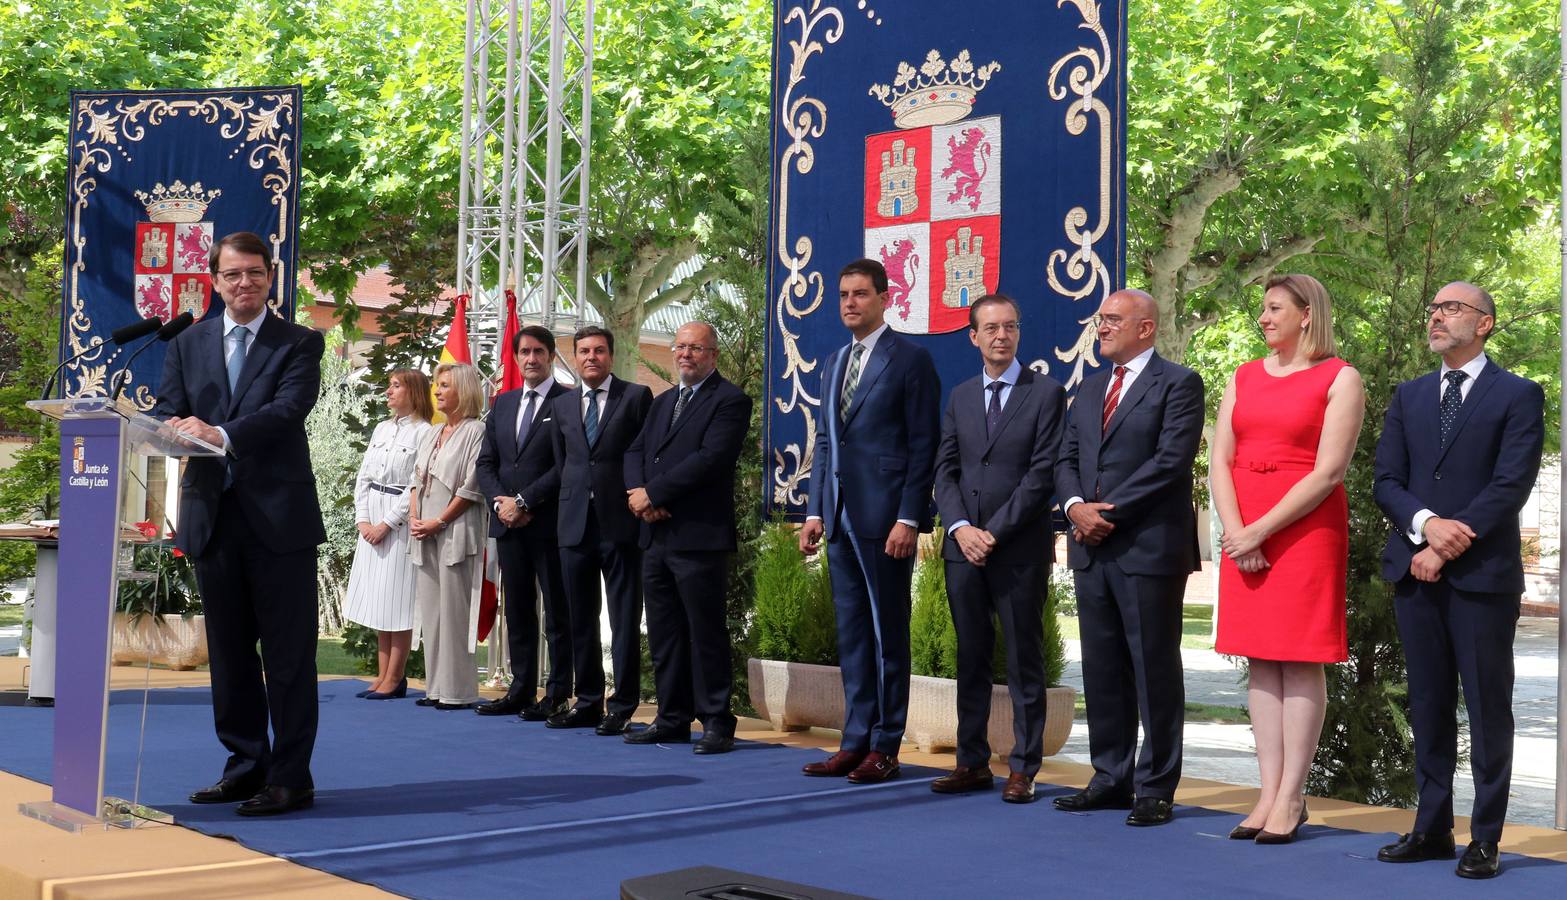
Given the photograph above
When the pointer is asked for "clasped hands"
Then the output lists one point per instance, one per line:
(1088, 525)
(512, 515)
(643, 508)
(1244, 547)
(373, 534)
(1446, 540)
(901, 540)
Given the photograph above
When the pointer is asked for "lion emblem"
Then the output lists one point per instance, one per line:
(193, 248)
(152, 298)
(969, 160)
(902, 265)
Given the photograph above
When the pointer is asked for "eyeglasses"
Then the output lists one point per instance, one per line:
(1114, 323)
(235, 276)
(1450, 308)
(690, 348)
(991, 329)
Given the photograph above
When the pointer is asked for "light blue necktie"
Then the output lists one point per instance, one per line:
(236, 362)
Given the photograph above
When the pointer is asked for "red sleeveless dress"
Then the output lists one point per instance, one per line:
(1293, 611)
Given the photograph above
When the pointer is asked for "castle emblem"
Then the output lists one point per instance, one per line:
(932, 204)
(170, 268)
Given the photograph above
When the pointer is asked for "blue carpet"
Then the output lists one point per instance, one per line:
(445, 804)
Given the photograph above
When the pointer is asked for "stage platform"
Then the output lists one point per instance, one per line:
(435, 804)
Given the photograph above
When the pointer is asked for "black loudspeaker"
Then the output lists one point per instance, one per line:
(713, 883)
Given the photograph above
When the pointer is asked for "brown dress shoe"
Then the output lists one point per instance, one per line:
(964, 779)
(1019, 789)
(836, 766)
(876, 768)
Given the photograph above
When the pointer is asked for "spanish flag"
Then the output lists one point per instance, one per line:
(456, 349)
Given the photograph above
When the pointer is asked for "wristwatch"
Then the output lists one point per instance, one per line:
(521, 503)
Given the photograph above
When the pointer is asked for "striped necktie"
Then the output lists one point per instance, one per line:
(1113, 399)
(851, 380)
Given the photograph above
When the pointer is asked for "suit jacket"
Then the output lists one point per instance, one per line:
(1481, 478)
(597, 472)
(690, 469)
(880, 464)
(1001, 482)
(1142, 463)
(265, 422)
(507, 469)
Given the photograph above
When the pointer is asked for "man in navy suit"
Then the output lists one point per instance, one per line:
(1458, 456)
(245, 381)
(995, 472)
(1125, 484)
(597, 533)
(871, 476)
(680, 481)
(517, 472)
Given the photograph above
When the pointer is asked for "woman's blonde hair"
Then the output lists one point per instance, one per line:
(470, 390)
(1309, 295)
(418, 388)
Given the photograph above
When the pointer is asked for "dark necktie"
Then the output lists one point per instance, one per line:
(1452, 399)
(680, 405)
(590, 419)
(525, 421)
(851, 380)
(1113, 399)
(993, 411)
(238, 336)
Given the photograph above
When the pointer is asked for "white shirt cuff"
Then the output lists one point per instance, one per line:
(226, 447)
(909, 522)
(813, 518)
(958, 524)
(1417, 530)
(1068, 504)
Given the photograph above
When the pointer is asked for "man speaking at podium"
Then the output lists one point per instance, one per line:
(251, 522)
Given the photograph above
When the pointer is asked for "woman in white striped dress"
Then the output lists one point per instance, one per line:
(381, 584)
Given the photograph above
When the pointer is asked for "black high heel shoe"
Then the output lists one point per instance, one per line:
(397, 693)
(1268, 837)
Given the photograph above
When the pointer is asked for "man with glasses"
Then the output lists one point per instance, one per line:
(994, 476)
(680, 481)
(1458, 456)
(251, 522)
(1125, 484)
(871, 475)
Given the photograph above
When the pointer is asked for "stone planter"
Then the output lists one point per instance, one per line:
(795, 696)
(174, 641)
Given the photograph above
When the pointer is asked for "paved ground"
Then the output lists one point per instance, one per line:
(1226, 753)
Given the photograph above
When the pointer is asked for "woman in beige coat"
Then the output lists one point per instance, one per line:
(448, 523)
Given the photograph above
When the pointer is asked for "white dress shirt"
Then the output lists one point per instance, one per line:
(542, 390)
(254, 327)
(1472, 368)
(1134, 367)
(1008, 380)
(869, 343)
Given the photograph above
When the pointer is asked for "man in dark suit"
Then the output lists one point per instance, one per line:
(1125, 484)
(871, 476)
(680, 478)
(1458, 456)
(995, 472)
(517, 472)
(597, 533)
(245, 381)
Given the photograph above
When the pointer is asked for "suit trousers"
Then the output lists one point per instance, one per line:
(249, 595)
(530, 571)
(870, 592)
(1131, 638)
(1451, 636)
(1015, 595)
(688, 636)
(620, 565)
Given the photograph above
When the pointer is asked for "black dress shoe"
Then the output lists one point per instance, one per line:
(448, 707)
(509, 705)
(1482, 859)
(1151, 811)
(1091, 798)
(1418, 847)
(583, 717)
(614, 723)
(225, 791)
(274, 800)
(426, 701)
(715, 741)
(659, 734)
(541, 711)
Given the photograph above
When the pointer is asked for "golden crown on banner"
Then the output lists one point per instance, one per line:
(177, 203)
(937, 93)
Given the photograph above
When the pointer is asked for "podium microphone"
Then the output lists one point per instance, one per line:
(122, 335)
(167, 333)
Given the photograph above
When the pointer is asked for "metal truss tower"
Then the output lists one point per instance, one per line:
(527, 105)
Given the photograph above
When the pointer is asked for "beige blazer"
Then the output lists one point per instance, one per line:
(452, 473)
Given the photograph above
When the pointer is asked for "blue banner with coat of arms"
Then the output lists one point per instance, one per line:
(970, 148)
(155, 177)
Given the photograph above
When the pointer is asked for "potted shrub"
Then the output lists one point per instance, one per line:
(933, 690)
(795, 683)
(157, 617)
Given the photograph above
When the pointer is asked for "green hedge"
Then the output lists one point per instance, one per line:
(794, 618)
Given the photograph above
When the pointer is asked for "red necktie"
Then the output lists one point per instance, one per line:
(1113, 398)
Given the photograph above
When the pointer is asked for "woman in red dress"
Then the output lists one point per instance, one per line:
(1286, 430)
